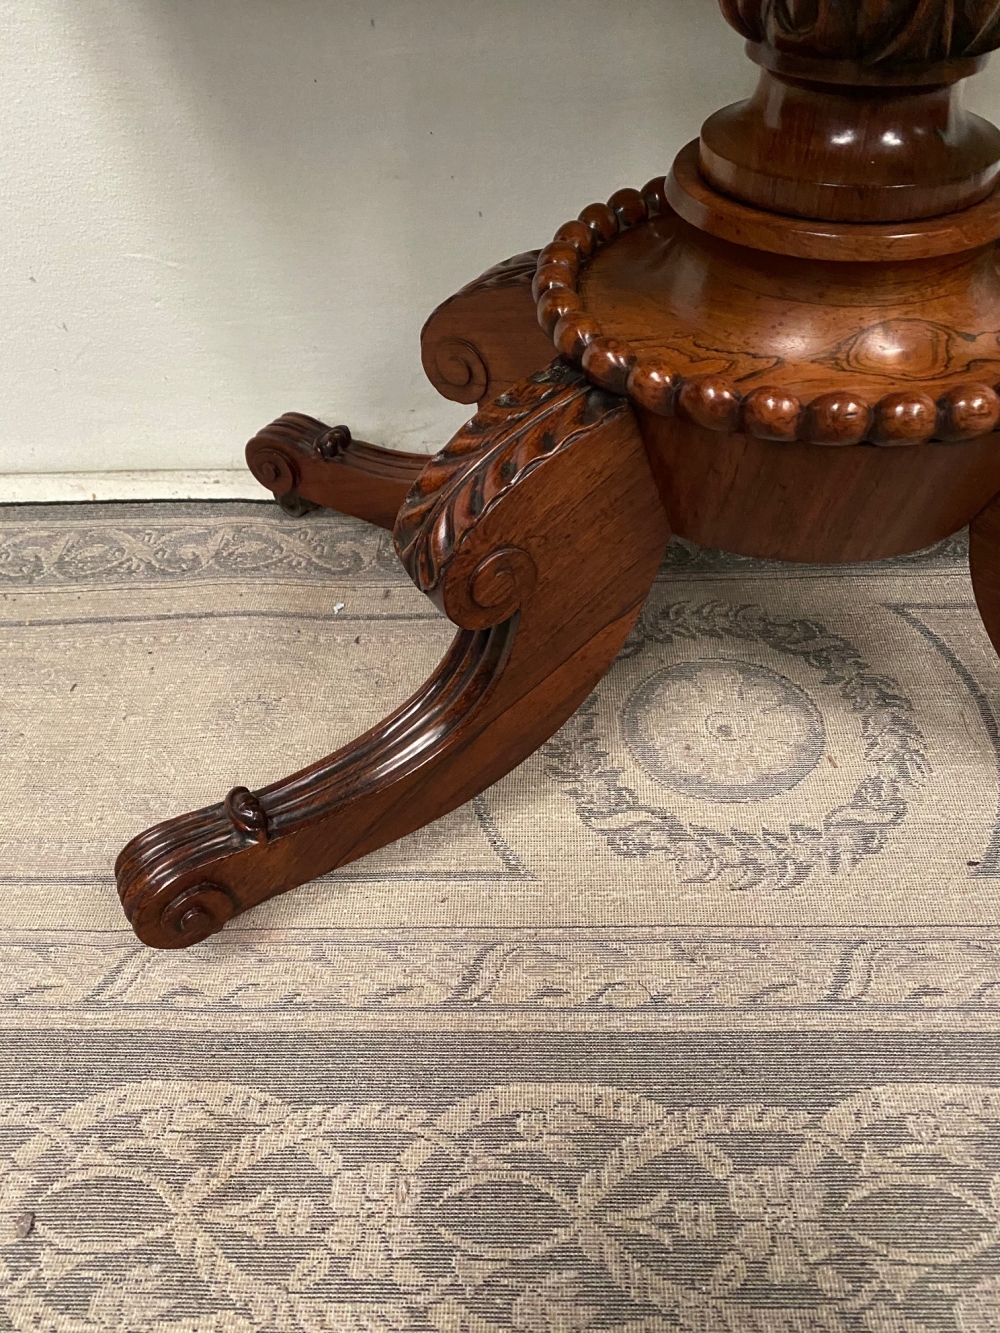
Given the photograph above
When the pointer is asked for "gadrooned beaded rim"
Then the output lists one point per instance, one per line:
(903, 417)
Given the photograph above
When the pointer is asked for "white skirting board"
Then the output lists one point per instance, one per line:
(72, 487)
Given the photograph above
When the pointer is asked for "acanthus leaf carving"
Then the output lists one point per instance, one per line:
(870, 31)
(495, 452)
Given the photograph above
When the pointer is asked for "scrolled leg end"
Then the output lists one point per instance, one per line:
(187, 918)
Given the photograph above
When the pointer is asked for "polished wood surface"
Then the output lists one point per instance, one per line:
(799, 502)
(788, 347)
(817, 150)
(694, 199)
(307, 464)
(485, 338)
(538, 532)
(706, 307)
(858, 116)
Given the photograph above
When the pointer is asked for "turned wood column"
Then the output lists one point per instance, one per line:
(858, 114)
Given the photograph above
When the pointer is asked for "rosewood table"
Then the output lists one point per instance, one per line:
(789, 347)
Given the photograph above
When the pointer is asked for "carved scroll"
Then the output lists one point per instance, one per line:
(539, 530)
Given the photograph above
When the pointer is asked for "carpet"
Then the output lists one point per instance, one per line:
(691, 1023)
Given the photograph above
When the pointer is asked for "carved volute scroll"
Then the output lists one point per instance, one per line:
(539, 530)
(788, 347)
(484, 339)
(858, 114)
(309, 465)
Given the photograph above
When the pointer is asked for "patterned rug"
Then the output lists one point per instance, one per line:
(690, 1025)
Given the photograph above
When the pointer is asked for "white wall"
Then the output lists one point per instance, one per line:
(213, 211)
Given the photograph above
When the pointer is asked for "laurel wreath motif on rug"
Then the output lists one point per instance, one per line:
(779, 859)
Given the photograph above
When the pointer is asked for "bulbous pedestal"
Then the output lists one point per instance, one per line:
(788, 348)
(858, 357)
(807, 390)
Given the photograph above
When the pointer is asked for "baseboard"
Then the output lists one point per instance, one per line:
(72, 487)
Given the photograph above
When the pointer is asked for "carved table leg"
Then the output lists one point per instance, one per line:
(486, 338)
(303, 460)
(984, 565)
(474, 346)
(538, 531)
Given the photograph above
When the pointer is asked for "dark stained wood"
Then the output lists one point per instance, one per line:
(298, 458)
(538, 532)
(984, 565)
(789, 348)
(886, 40)
(795, 501)
(695, 200)
(486, 338)
(689, 306)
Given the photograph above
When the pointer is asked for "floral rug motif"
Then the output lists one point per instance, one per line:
(531, 1206)
(689, 1025)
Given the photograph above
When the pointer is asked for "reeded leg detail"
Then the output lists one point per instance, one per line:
(538, 531)
(309, 465)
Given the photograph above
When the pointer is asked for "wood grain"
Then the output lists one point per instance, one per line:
(788, 348)
(747, 324)
(857, 115)
(816, 151)
(486, 338)
(793, 501)
(539, 531)
(694, 199)
(299, 459)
